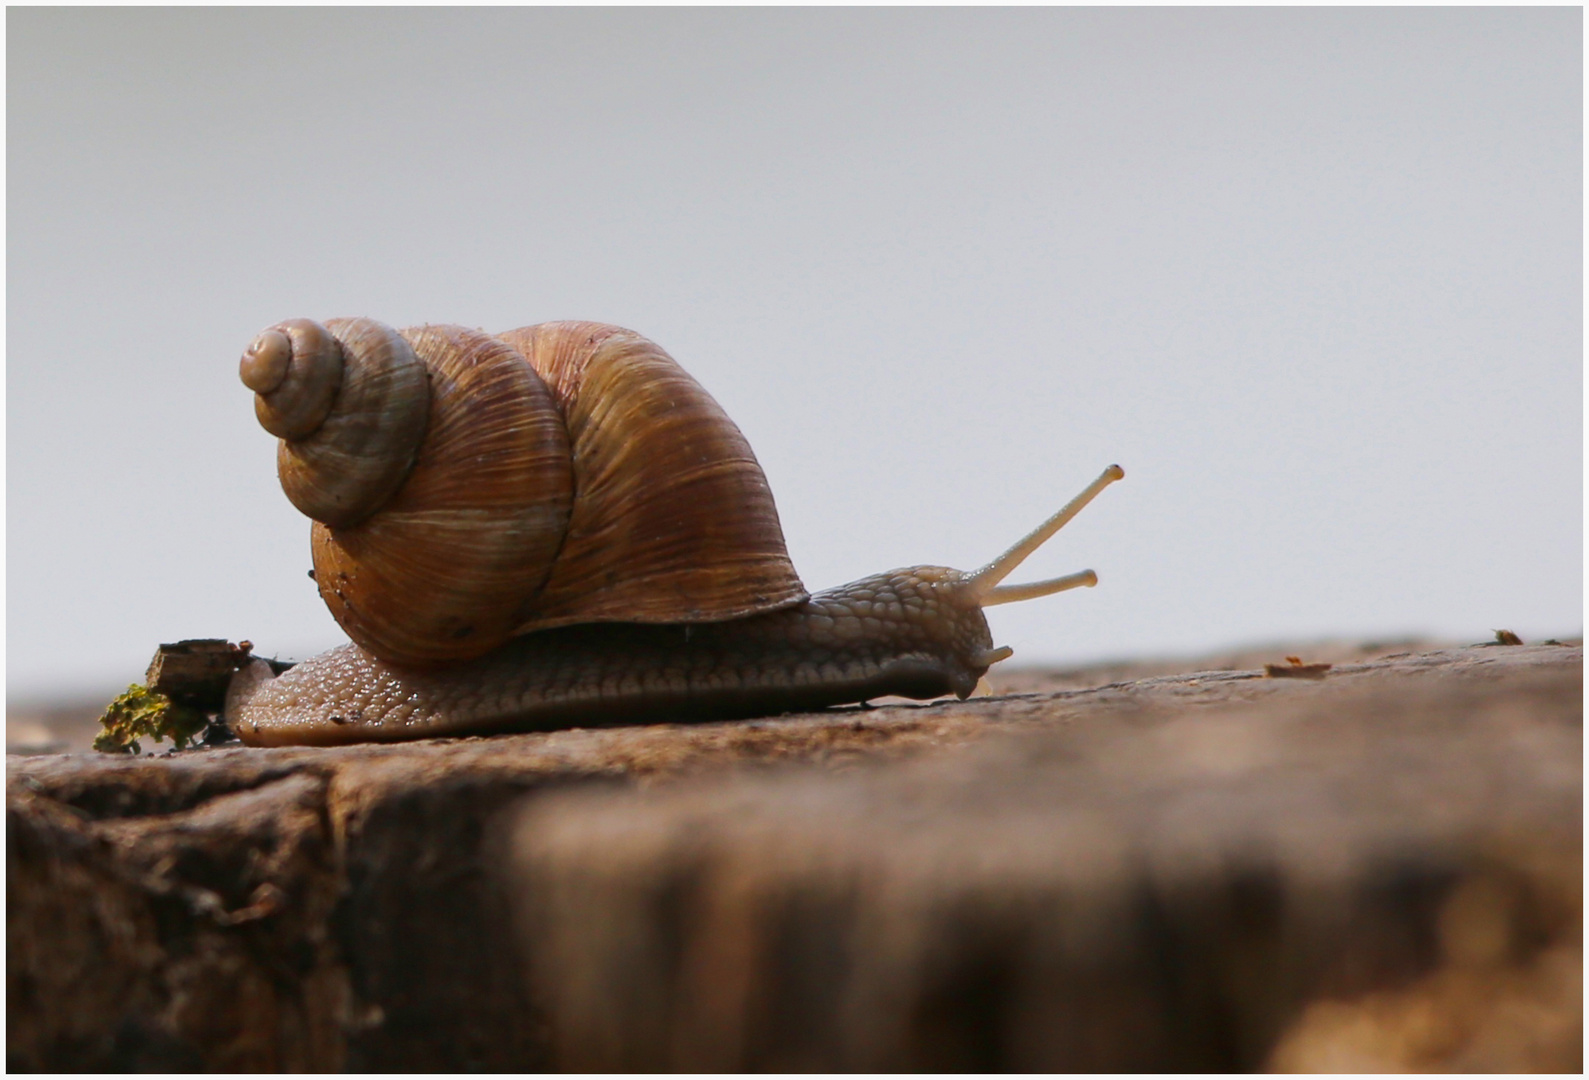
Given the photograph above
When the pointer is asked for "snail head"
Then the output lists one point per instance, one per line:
(971, 592)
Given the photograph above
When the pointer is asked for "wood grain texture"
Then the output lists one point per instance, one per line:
(1211, 871)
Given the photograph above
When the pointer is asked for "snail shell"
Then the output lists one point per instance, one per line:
(467, 488)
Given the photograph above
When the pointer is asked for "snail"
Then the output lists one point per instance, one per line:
(558, 526)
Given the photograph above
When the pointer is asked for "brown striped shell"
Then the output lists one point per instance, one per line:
(468, 488)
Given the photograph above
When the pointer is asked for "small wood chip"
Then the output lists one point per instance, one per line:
(1294, 668)
(196, 671)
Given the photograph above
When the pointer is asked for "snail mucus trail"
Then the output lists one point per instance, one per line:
(557, 526)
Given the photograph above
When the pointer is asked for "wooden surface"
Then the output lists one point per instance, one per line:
(1211, 871)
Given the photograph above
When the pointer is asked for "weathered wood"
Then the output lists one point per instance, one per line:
(196, 671)
(1210, 871)
(1165, 892)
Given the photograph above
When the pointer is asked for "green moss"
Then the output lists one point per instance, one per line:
(142, 712)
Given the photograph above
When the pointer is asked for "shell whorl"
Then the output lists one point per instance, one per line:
(467, 488)
(444, 569)
(295, 370)
(359, 452)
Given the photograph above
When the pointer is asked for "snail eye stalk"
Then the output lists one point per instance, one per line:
(984, 583)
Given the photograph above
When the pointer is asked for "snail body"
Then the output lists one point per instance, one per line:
(565, 529)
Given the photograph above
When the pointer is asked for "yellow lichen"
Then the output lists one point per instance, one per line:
(142, 712)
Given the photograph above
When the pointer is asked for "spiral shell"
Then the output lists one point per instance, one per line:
(468, 488)
(295, 371)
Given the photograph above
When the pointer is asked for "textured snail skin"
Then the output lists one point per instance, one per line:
(917, 633)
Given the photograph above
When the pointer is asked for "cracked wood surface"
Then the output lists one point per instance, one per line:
(1183, 871)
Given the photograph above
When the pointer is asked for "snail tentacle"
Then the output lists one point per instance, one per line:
(985, 582)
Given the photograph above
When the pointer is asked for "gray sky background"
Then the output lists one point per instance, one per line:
(1312, 276)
